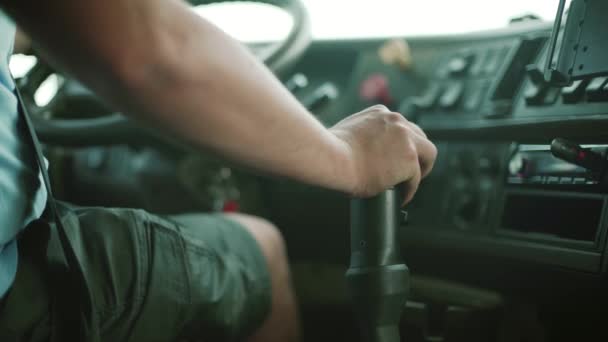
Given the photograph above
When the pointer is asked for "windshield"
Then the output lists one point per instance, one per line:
(349, 19)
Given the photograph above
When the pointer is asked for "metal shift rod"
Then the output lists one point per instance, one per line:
(378, 280)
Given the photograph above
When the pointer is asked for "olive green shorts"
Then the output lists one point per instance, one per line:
(195, 277)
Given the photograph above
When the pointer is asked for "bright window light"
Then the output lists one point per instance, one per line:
(343, 19)
(21, 64)
(47, 90)
(248, 22)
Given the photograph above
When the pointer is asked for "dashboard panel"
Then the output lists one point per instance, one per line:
(551, 221)
(482, 98)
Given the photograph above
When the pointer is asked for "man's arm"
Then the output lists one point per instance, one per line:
(161, 63)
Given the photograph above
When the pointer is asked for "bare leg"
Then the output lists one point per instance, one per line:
(282, 324)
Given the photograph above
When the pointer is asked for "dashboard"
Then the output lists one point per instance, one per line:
(498, 191)
(489, 107)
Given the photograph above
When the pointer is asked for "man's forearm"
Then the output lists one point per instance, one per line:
(221, 97)
(158, 61)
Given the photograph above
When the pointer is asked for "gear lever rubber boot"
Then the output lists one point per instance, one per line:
(377, 279)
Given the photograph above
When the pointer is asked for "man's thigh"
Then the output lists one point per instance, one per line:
(162, 279)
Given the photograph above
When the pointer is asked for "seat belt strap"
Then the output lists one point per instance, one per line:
(71, 326)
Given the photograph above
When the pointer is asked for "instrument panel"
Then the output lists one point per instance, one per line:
(513, 179)
(499, 187)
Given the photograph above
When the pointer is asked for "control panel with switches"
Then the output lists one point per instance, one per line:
(479, 81)
(504, 180)
(461, 81)
(585, 95)
(538, 93)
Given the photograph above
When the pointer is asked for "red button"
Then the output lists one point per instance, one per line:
(581, 155)
(230, 206)
(376, 89)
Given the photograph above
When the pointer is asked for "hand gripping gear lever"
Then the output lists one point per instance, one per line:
(377, 279)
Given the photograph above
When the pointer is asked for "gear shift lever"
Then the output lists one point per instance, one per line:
(378, 280)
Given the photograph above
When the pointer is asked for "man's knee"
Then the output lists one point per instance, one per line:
(282, 322)
(267, 235)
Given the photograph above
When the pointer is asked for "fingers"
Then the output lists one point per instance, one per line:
(375, 108)
(416, 128)
(411, 185)
(427, 152)
(383, 109)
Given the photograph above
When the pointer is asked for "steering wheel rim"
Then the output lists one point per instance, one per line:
(116, 128)
(279, 57)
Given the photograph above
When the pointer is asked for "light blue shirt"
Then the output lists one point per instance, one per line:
(22, 195)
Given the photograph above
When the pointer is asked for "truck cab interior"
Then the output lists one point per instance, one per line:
(505, 240)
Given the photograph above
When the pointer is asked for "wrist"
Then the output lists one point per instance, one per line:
(343, 169)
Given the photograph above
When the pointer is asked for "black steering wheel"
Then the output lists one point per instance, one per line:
(114, 128)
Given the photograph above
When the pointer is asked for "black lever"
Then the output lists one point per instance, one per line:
(378, 280)
(575, 154)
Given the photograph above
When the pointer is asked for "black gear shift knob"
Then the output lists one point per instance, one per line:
(377, 279)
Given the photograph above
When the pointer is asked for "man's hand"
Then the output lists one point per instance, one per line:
(385, 149)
